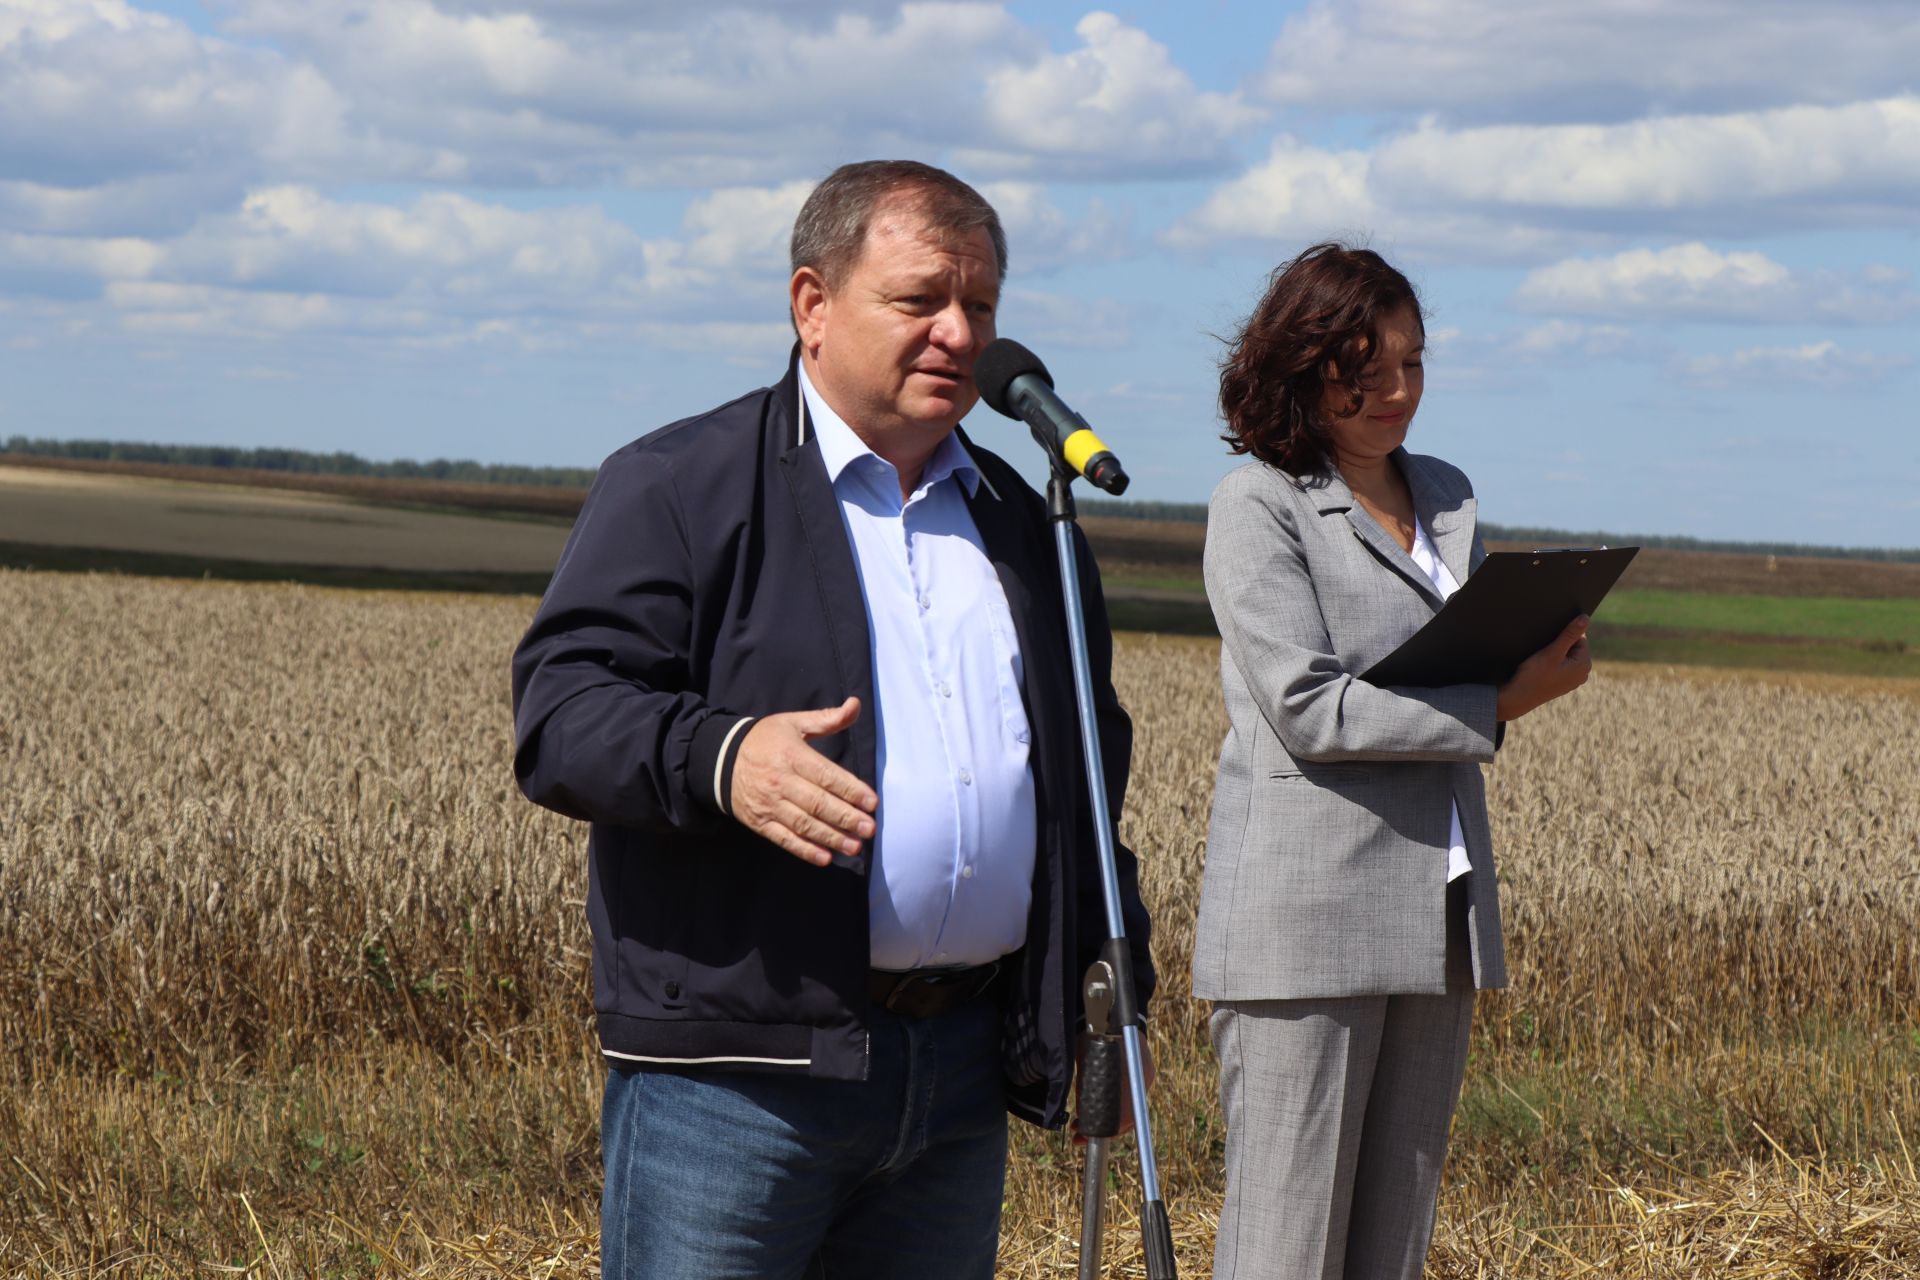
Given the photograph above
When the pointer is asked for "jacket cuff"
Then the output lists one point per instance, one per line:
(716, 743)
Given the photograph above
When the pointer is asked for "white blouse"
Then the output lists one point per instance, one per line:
(1430, 563)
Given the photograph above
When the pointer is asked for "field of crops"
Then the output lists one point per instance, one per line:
(292, 982)
(195, 520)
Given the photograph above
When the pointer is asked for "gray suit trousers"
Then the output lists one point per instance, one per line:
(1337, 1115)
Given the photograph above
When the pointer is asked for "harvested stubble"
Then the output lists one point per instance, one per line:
(292, 981)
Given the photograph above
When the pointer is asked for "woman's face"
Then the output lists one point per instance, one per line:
(1389, 390)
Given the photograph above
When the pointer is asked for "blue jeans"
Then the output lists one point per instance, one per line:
(731, 1175)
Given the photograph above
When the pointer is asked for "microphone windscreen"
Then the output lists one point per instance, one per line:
(1002, 362)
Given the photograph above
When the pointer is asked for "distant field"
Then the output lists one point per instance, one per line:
(1167, 557)
(1725, 572)
(1700, 649)
(1889, 624)
(1688, 607)
(189, 527)
(1869, 637)
(1753, 611)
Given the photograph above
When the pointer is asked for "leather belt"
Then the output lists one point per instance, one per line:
(923, 993)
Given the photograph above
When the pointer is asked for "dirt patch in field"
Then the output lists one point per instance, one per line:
(537, 500)
(1147, 547)
(198, 527)
(1152, 571)
(1167, 543)
(1658, 568)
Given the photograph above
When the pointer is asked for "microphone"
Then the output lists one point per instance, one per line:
(1013, 381)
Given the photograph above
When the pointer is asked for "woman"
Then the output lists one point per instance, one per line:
(1349, 910)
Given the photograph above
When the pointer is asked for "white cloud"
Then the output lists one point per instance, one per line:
(445, 246)
(657, 15)
(1598, 60)
(58, 19)
(269, 320)
(1756, 167)
(449, 270)
(1117, 104)
(744, 226)
(1048, 320)
(157, 307)
(1503, 361)
(144, 204)
(1693, 281)
(1300, 193)
(747, 344)
(1557, 337)
(733, 94)
(98, 92)
(1041, 236)
(1819, 364)
(54, 257)
(445, 267)
(1523, 192)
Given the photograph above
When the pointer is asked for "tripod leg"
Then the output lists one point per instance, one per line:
(1093, 1209)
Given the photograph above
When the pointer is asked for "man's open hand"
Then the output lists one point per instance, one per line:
(790, 794)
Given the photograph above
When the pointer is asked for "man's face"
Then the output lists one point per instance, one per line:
(892, 346)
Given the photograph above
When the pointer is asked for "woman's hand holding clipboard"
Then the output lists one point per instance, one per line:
(1509, 610)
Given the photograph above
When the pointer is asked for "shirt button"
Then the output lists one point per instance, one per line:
(966, 872)
(966, 779)
(926, 603)
(946, 690)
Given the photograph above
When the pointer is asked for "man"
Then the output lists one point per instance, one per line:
(803, 666)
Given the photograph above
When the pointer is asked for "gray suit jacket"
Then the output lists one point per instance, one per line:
(1327, 853)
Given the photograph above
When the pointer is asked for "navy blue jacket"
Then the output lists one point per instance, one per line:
(709, 579)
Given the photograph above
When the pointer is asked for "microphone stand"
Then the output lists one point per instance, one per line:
(1112, 1005)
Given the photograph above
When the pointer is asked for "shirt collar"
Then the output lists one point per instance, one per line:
(840, 448)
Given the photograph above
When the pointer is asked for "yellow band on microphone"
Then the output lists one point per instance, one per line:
(1080, 447)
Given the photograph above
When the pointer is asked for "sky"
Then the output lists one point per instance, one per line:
(1668, 248)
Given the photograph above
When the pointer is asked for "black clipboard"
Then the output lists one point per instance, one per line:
(1505, 612)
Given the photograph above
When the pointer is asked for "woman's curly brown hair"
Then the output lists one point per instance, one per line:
(1320, 317)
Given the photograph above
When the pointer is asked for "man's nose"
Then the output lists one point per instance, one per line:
(953, 328)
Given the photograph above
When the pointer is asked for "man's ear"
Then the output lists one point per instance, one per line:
(808, 293)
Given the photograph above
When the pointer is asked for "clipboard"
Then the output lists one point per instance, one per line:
(1505, 612)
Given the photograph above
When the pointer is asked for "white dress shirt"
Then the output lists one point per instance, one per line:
(952, 874)
(1435, 568)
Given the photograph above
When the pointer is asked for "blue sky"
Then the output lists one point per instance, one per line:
(1669, 249)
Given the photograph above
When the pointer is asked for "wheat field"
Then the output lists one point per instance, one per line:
(293, 982)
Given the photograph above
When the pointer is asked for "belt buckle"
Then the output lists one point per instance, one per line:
(920, 995)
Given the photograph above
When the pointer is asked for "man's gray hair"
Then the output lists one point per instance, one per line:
(831, 232)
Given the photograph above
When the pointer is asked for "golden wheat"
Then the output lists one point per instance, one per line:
(292, 980)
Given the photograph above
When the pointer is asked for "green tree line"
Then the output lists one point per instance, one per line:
(300, 460)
